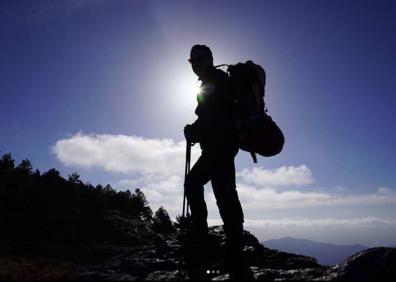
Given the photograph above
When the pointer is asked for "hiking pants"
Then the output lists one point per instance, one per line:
(219, 168)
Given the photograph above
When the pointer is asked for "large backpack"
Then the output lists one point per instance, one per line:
(258, 133)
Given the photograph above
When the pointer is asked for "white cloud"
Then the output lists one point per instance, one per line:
(262, 199)
(283, 176)
(366, 222)
(159, 164)
(122, 154)
(386, 191)
(159, 191)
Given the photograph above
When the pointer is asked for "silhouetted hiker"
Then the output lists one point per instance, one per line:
(216, 132)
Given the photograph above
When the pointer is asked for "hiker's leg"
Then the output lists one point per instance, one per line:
(224, 188)
(197, 178)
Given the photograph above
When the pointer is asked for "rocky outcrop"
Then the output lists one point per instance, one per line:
(377, 264)
(145, 255)
(167, 262)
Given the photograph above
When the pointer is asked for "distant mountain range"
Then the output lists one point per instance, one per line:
(326, 254)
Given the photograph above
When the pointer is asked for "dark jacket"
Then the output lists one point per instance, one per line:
(215, 127)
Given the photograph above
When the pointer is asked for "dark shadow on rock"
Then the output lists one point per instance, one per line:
(377, 264)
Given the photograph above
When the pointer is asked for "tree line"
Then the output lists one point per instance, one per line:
(47, 206)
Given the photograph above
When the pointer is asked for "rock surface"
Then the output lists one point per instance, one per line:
(149, 256)
(167, 262)
(373, 264)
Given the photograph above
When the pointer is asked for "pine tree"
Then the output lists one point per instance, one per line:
(162, 222)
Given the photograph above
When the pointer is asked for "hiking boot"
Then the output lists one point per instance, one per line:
(194, 237)
(236, 264)
(219, 268)
(242, 274)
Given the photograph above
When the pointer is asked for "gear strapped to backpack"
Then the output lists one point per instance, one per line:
(258, 133)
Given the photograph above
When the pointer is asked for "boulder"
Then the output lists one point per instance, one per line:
(372, 264)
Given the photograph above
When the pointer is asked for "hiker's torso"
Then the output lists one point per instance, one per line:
(215, 114)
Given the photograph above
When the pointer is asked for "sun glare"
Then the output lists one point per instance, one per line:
(187, 88)
(190, 87)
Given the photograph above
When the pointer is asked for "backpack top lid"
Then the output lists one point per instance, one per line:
(260, 73)
(249, 81)
(258, 85)
(247, 72)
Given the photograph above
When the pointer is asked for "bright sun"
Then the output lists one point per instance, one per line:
(187, 88)
(190, 87)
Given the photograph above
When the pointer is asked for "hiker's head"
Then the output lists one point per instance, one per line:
(201, 60)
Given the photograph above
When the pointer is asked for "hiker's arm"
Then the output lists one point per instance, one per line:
(192, 132)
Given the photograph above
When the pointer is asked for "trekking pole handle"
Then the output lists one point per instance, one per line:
(188, 152)
(222, 65)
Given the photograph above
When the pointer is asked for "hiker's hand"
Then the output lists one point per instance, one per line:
(192, 132)
(188, 132)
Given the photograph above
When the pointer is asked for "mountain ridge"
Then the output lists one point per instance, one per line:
(325, 253)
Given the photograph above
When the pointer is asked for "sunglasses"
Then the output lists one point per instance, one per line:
(197, 59)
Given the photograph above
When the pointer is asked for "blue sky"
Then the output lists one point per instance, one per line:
(104, 88)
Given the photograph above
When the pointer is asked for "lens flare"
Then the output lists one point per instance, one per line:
(200, 98)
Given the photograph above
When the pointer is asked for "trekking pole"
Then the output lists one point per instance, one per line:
(186, 172)
(184, 227)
